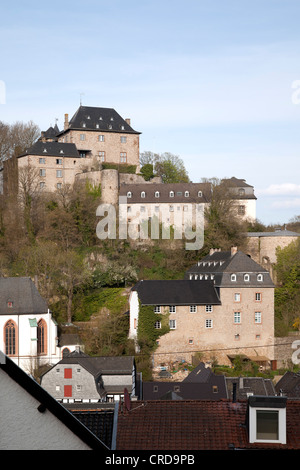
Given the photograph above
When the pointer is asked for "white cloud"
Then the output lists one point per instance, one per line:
(284, 189)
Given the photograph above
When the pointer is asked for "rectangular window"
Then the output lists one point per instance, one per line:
(157, 309)
(42, 161)
(267, 425)
(101, 138)
(68, 373)
(172, 309)
(42, 172)
(237, 297)
(208, 308)
(157, 325)
(258, 297)
(59, 173)
(172, 324)
(123, 139)
(193, 308)
(58, 161)
(257, 317)
(237, 317)
(123, 157)
(59, 185)
(42, 185)
(68, 391)
(208, 323)
(82, 136)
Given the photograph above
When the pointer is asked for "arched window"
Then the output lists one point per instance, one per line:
(65, 352)
(42, 337)
(171, 193)
(10, 336)
(129, 194)
(143, 194)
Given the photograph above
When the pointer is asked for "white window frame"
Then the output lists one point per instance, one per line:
(157, 309)
(101, 138)
(129, 194)
(258, 296)
(82, 137)
(246, 277)
(157, 325)
(257, 318)
(58, 173)
(281, 413)
(172, 324)
(143, 194)
(156, 194)
(208, 308)
(171, 194)
(208, 323)
(237, 297)
(237, 318)
(193, 308)
(172, 308)
(233, 277)
(260, 277)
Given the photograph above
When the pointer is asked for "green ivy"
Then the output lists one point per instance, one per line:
(147, 334)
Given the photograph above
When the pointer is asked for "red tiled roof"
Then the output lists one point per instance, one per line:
(195, 425)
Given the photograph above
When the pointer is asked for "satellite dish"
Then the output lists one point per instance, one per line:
(127, 399)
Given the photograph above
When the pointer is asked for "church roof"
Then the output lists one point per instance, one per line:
(19, 296)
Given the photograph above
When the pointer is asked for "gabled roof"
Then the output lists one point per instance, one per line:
(196, 425)
(104, 365)
(249, 385)
(52, 149)
(47, 402)
(221, 264)
(186, 390)
(289, 385)
(164, 189)
(19, 296)
(177, 292)
(90, 118)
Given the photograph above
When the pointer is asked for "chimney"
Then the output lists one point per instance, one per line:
(128, 121)
(211, 251)
(233, 250)
(234, 392)
(66, 123)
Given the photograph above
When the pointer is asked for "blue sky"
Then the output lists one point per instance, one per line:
(210, 81)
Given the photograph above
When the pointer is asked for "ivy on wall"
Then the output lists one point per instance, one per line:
(147, 334)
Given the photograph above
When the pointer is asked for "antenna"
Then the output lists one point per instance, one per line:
(80, 98)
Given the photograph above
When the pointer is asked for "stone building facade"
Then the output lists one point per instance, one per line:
(223, 308)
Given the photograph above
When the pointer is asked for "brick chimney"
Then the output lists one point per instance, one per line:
(128, 121)
(66, 123)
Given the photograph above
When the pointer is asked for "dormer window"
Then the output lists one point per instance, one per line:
(45, 150)
(233, 277)
(171, 194)
(156, 194)
(61, 151)
(267, 419)
(9, 304)
(260, 277)
(129, 194)
(143, 194)
(246, 277)
(110, 126)
(187, 193)
(199, 193)
(83, 124)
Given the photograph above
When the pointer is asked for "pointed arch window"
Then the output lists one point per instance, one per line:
(42, 337)
(10, 336)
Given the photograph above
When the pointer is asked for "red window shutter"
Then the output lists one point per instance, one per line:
(68, 373)
(68, 390)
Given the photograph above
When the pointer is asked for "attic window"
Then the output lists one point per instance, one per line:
(83, 124)
(110, 126)
(171, 193)
(45, 150)
(233, 277)
(129, 194)
(246, 277)
(143, 194)
(267, 419)
(61, 151)
(100, 118)
(9, 304)
(199, 193)
(156, 193)
(111, 118)
(186, 193)
(260, 277)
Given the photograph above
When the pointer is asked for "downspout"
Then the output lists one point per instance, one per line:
(115, 425)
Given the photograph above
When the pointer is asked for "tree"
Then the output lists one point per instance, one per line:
(166, 165)
(16, 138)
(223, 228)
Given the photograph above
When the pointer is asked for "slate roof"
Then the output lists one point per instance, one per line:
(221, 264)
(106, 365)
(164, 193)
(52, 149)
(51, 133)
(289, 385)
(104, 118)
(157, 390)
(24, 296)
(195, 425)
(177, 292)
(249, 385)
